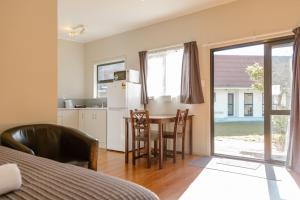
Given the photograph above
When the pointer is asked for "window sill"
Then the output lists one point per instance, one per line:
(166, 99)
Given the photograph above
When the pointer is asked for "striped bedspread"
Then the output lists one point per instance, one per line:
(46, 179)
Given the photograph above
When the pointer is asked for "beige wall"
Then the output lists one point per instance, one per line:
(70, 69)
(28, 62)
(240, 19)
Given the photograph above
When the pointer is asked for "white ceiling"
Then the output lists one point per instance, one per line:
(104, 18)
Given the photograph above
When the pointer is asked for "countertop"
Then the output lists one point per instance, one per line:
(87, 108)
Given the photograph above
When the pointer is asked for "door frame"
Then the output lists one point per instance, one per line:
(268, 43)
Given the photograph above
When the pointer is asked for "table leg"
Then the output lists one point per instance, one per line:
(191, 135)
(165, 144)
(126, 140)
(160, 130)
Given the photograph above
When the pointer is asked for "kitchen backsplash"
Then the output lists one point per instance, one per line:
(86, 102)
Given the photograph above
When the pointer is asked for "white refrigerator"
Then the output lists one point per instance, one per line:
(122, 96)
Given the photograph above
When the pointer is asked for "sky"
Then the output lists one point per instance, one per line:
(257, 50)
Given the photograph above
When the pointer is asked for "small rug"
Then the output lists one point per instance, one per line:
(247, 168)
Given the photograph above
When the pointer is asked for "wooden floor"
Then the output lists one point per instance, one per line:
(175, 180)
(168, 183)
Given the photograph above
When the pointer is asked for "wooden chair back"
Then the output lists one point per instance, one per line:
(180, 121)
(140, 122)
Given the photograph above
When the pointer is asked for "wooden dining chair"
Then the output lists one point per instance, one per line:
(141, 132)
(178, 131)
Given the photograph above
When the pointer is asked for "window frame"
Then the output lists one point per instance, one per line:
(268, 42)
(215, 97)
(230, 104)
(96, 76)
(248, 104)
(263, 104)
(106, 64)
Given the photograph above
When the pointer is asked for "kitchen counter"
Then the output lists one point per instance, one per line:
(87, 108)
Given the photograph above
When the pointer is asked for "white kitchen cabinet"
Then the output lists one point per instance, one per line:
(60, 117)
(93, 123)
(68, 118)
(89, 121)
(81, 120)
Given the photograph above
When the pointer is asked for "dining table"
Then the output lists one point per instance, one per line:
(161, 121)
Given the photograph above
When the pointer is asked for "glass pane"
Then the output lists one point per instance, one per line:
(281, 76)
(101, 90)
(173, 72)
(238, 87)
(155, 79)
(230, 98)
(248, 98)
(230, 104)
(248, 110)
(106, 72)
(164, 73)
(280, 133)
(230, 110)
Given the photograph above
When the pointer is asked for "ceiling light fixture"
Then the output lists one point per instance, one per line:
(76, 30)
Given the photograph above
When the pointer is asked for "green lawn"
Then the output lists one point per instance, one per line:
(239, 128)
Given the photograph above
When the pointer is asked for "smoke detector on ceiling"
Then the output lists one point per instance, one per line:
(76, 30)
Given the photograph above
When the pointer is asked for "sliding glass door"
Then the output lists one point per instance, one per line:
(238, 119)
(281, 81)
(251, 102)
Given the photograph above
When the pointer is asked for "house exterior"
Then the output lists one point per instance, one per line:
(234, 98)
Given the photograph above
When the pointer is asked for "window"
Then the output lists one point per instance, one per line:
(263, 104)
(164, 72)
(248, 104)
(105, 74)
(230, 104)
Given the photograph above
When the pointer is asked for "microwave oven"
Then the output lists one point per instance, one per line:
(128, 75)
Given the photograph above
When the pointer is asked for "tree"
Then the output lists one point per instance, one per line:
(280, 77)
(256, 74)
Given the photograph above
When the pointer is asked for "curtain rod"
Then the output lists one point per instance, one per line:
(254, 37)
(172, 46)
(166, 48)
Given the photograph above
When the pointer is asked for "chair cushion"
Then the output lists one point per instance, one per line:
(71, 160)
(143, 136)
(169, 134)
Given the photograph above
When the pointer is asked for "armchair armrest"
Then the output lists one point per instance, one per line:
(8, 141)
(75, 142)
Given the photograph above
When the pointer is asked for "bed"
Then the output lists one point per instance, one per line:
(47, 179)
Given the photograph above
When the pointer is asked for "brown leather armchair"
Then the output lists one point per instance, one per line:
(55, 142)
